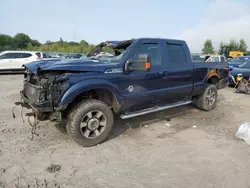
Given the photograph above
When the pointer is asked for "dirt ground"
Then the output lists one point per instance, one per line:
(182, 147)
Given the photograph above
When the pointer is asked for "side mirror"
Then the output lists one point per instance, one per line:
(140, 64)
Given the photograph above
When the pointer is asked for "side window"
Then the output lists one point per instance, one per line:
(213, 59)
(7, 56)
(4, 56)
(23, 55)
(216, 59)
(223, 59)
(153, 50)
(176, 53)
(14, 55)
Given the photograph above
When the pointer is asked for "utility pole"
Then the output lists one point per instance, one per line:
(74, 34)
(74, 39)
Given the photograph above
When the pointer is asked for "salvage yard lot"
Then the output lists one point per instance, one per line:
(182, 147)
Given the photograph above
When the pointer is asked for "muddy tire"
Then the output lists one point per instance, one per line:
(90, 122)
(207, 101)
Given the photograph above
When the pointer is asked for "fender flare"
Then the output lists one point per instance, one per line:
(85, 85)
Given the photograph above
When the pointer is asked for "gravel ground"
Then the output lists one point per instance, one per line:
(182, 147)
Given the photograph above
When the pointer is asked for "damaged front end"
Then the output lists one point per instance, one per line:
(41, 93)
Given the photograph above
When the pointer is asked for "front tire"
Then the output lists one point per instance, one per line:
(90, 122)
(207, 101)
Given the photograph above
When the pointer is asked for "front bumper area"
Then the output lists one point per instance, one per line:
(42, 111)
(37, 107)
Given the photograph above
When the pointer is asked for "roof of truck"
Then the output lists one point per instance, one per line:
(117, 42)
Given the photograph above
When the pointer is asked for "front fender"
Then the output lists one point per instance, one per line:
(86, 85)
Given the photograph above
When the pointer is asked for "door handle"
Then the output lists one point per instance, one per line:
(165, 75)
(160, 73)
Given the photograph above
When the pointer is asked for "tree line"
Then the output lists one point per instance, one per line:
(22, 41)
(233, 45)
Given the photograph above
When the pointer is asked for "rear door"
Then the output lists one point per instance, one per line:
(178, 72)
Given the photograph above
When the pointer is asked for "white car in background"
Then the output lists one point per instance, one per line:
(12, 61)
(208, 58)
(216, 58)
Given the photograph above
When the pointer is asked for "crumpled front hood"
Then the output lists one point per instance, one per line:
(76, 65)
(243, 71)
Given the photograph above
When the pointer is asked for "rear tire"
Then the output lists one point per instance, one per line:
(208, 99)
(90, 122)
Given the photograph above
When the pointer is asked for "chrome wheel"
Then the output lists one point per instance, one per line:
(210, 98)
(93, 124)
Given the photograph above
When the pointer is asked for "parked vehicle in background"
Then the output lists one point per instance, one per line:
(229, 53)
(208, 58)
(102, 55)
(236, 62)
(73, 56)
(243, 69)
(12, 61)
(146, 75)
(216, 58)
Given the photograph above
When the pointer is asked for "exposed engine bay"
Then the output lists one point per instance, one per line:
(43, 91)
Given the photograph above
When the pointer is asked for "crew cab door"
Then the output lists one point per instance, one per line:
(141, 89)
(178, 71)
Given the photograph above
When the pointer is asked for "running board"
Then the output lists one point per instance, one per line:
(154, 109)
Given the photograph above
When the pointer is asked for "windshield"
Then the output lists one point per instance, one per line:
(245, 65)
(110, 51)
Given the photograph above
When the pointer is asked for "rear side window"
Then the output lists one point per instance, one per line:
(223, 59)
(213, 59)
(176, 53)
(24, 55)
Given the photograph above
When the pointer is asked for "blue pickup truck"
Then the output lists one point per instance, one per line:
(145, 75)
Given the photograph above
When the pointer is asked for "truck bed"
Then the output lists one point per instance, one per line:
(218, 65)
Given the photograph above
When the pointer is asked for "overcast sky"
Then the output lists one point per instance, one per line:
(101, 20)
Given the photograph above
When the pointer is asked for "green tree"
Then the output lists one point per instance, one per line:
(21, 40)
(72, 43)
(29, 46)
(221, 45)
(208, 47)
(35, 43)
(233, 45)
(84, 43)
(242, 46)
(6, 42)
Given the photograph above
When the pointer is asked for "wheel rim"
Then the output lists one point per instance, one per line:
(210, 98)
(93, 124)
